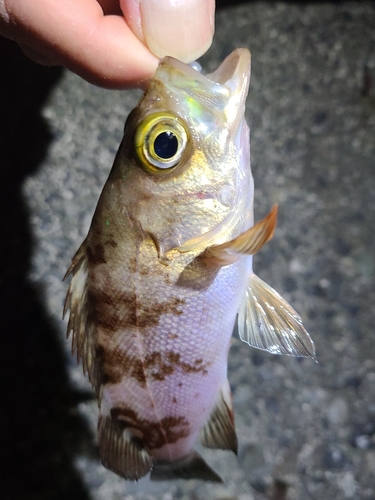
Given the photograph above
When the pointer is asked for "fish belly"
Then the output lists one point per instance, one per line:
(163, 335)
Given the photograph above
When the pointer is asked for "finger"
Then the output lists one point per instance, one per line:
(101, 49)
(183, 29)
(37, 56)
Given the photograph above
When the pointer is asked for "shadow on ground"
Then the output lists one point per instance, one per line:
(40, 429)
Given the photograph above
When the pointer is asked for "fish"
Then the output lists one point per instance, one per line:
(166, 271)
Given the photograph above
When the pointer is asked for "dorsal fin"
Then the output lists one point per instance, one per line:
(219, 431)
(120, 452)
(80, 320)
(247, 243)
(266, 321)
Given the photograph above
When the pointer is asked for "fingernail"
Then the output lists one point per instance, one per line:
(180, 28)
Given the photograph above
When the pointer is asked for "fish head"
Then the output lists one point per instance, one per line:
(184, 162)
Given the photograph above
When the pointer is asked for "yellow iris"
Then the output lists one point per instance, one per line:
(160, 141)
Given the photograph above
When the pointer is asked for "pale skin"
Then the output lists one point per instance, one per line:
(110, 43)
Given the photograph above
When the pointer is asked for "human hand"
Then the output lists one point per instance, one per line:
(111, 43)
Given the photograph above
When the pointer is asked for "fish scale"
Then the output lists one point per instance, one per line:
(166, 267)
(168, 354)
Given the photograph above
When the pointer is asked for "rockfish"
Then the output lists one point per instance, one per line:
(166, 267)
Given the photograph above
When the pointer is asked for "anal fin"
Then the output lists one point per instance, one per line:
(247, 243)
(219, 431)
(120, 453)
(191, 467)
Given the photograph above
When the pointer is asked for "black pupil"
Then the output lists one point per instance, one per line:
(166, 145)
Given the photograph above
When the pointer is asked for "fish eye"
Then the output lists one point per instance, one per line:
(166, 145)
(160, 141)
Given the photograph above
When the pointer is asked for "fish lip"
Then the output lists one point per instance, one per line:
(234, 71)
(170, 63)
(232, 74)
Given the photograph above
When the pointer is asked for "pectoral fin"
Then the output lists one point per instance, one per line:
(266, 321)
(247, 243)
(219, 431)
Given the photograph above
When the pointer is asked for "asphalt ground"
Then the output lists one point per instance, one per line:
(306, 430)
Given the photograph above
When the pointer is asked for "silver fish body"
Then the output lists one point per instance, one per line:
(164, 270)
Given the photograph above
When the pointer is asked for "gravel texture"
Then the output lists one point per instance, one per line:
(306, 430)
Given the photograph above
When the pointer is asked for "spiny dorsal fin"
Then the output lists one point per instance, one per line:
(190, 467)
(247, 243)
(219, 431)
(80, 321)
(120, 453)
(266, 321)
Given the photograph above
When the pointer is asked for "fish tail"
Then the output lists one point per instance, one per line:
(191, 467)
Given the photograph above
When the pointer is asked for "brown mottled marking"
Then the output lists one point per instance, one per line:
(159, 365)
(154, 361)
(192, 369)
(138, 372)
(132, 264)
(124, 414)
(115, 310)
(111, 241)
(96, 254)
(112, 310)
(103, 297)
(114, 364)
(175, 358)
(174, 400)
(109, 373)
(150, 315)
(151, 434)
(100, 253)
(158, 376)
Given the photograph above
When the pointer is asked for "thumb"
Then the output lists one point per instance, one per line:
(183, 29)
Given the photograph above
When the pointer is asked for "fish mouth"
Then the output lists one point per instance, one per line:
(234, 71)
(234, 74)
(226, 88)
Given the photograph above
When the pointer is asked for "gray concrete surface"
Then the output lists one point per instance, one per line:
(306, 430)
